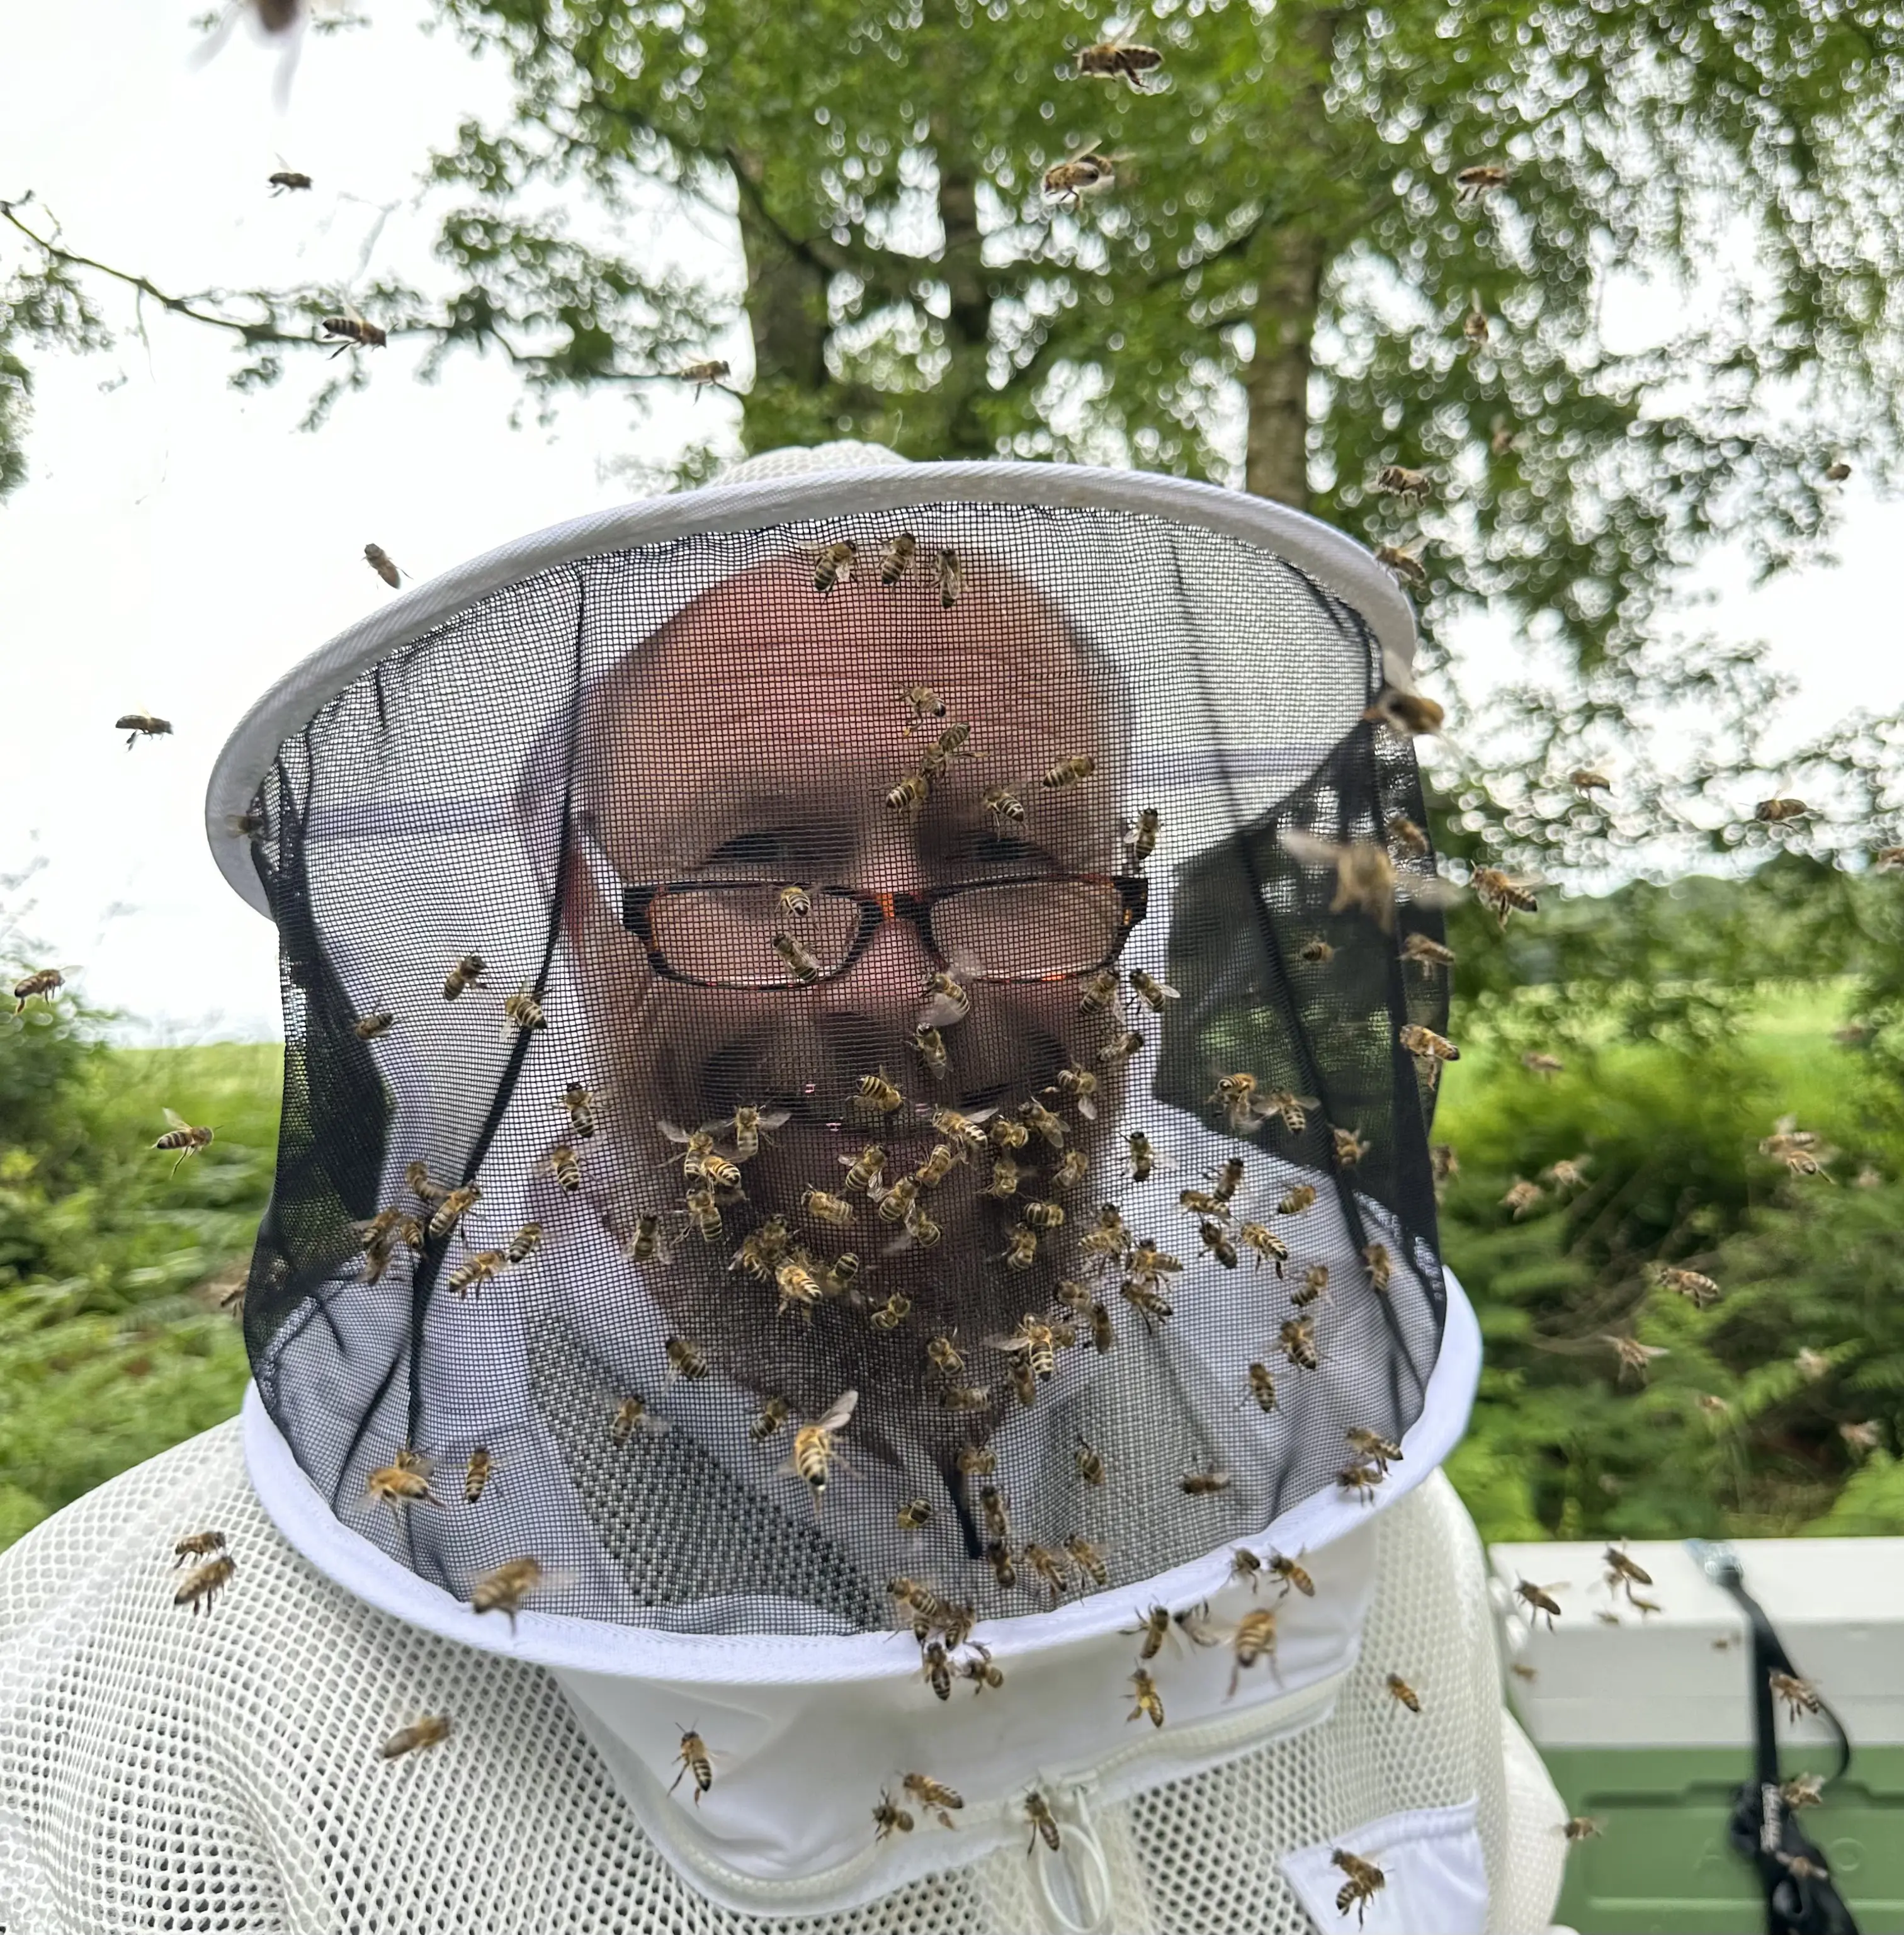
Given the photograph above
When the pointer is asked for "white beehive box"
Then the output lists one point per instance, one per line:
(1679, 1677)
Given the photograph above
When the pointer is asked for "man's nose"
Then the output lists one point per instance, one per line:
(889, 976)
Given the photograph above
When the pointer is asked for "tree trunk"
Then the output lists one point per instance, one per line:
(1276, 462)
(968, 321)
(786, 309)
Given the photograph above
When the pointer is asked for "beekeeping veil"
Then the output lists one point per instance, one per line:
(936, 807)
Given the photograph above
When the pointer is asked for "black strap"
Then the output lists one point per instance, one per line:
(1799, 1896)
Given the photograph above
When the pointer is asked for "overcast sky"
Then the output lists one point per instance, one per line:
(177, 546)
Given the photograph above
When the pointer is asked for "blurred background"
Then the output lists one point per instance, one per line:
(1648, 361)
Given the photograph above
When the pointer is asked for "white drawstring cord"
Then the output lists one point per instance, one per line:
(1091, 1888)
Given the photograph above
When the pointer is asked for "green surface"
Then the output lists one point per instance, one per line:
(1663, 1865)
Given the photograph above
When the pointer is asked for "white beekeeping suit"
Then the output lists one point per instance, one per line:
(1012, 1457)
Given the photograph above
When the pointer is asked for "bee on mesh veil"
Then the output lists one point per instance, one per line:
(852, 1257)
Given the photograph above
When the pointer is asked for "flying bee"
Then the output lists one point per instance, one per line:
(1201, 1202)
(878, 1094)
(1035, 1341)
(203, 1583)
(453, 1208)
(1348, 1147)
(1253, 1637)
(1402, 1694)
(1538, 1601)
(750, 1124)
(1365, 1880)
(1375, 1261)
(1143, 834)
(685, 1361)
(1359, 1480)
(800, 963)
(1622, 1570)
(480, 1270)
(1044, 1825)
(44, 983)
(931, 1046)
(893, 1312)
(1237, 1095)
(1635, 1359)
(701, 375)
(1297, 1200)
(1700, 1291)
(1404, 564)
(426, 1732)
(1268, 1247)
(1155, 1627)
(1147, 1702)
(693, 1757)
(1068, 771)
(1109, 60)
(833, 1211)
(914, 1515)
(1149, 1302)
(1262, 1387)
(815, 1453)
(834, 565)
(1501, 895)
(183, 1137)
(198, 1545)
(1408, 715)
(766, 1422)
(1425, 1045)
(468, 973)
(1004, 806)
(1050, 1568)
(476, 1475)
(795, 903)
(1472, 183)
(1403, 832)
(1153, 993)
(383, 564)
(356, 333)
(1316, 951)
(948, 574)
(367, 1027)
(1365, 875)
(888, 1818)
(404, 1483)
(1121, 1047)
(132, 723)
(1474, 325)
(1087, 172)
(948, 998)
(1217, 1241)
(1079, 1086)
(1298, 1344)
(1395, 480)
(1204, 1482)
(285, 179)
(1803, 1790)
(1798, 1696)
(1424, 952)
(632, 1414)
(935, 1795)
(1776, 812)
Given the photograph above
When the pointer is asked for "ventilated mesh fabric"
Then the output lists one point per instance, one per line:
(598, 782)
(160, 1770)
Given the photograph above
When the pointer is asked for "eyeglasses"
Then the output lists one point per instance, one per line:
(1026, 928)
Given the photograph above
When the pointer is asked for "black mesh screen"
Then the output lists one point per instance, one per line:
(570, 885)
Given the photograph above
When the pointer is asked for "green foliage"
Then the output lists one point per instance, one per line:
(113, 1342)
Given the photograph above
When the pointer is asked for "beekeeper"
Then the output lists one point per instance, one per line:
(849, 1325)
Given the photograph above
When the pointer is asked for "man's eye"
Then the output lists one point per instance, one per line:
(798, 852)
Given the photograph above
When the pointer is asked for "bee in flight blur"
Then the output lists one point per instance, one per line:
(701, 375)
(44, 983)
(1366, 876)
(504, 1589)
(383, 564)
(1084, 171)
(183, 1137)
(1108, 59)
(426, 1732)
(132, 723)
(1396, 480)
(1472, 183)
(815, 1453)
(287, 179)
(356, 333)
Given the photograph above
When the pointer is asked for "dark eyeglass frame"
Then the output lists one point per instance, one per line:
(878, 906)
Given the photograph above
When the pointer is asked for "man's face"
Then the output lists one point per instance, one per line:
(753, 743)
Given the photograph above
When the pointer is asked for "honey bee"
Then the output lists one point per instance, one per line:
(1775, 812)
(684, 1360)
(1291, 1574)
(815, 1453)
(1147, 1702)
(1050, 1568)
(1501, 895)
(965, 1397)
(454, 1207)
(1700, 1291)
(1217, 1241)
(1539, 1600)
(936, 1670)
(1108, 59)
(1298, 1344)
(1068, 771)
(287, 179)
(1316, 951)
(1262, 1387)
(774, 1412)
(1254, 1637)
(1394, 480)
(383, 564)
(948, 574)
(896, 557)
(1364, 875)
(632, 1414)
(913, 1515)
(1474, 325)
(1006, 1134)
(1425, 1044)
(1799, 1695)
(1402, 1694)
(835, 1210)
(1103, 1332)
(1237, 1094)
(834, 565)
(1472, 183)
(183, 1137)
(909, 796)
(1141, 843)
(1100, 992)
(936, 1795)
(1086, 172)
(795, 903)
(356, 333)
(475, 1480)
(1153, 993)
(1634, 1357)
(1297, 1200)
(1140, 1156)
(693, 1757)
(1406, 834)
(562, 1163)
(1348, 1147)
(1205, 1481)
(1072, 1168)
(921, 702)
(889, 1819)
(203, 1583)
(426, 1732)
(44, 983)
(1408, 715)
(930, 1045)
(1404, 564)
(977, 1461)
(1375, 1261)
(893, 1312)
(367, 1027)
(198, 1545)
(1088, 1559)
(468, 973)
(965, 1131)
(1004, 806)
(1121, 1047)
(1802, 1790)
(1365, 1881)
(478, 1270)
(800, 963)
(996, 1509)
(1527, 1672)
(403, 1482)
(1360, 1480)
(701, 375)
(1146, 1299)
(1888, 859)
(1044, 1826)
(1622, 1570)
(898, 1202)
(1154, 1626)
(1426, 953)
(646, 1244)
(1089, 1462)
